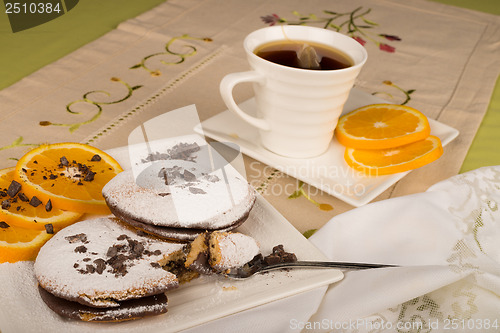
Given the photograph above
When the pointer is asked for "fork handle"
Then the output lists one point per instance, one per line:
(327, 264)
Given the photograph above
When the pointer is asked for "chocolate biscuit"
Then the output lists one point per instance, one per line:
(127, 310)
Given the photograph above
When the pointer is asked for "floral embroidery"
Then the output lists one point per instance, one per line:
(179, 57)
(300, 192)
(406, 93)
(465, 306)
(18, 143)
(89, 98)
(461, 260)
(309, 233)
(355, 24)
(98, 105)
(417, 310)
(152, 99)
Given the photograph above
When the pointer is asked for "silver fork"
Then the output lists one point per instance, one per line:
(248, 271)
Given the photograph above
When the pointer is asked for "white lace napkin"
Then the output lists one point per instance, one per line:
(446, 240)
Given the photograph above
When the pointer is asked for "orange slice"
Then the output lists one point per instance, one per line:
(18, 244)
(381, 126)
(388, 161)
(20, 210)
(71, 175)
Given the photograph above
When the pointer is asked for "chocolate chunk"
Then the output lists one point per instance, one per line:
(35, 202)
(117, 259)
(122, 237)
(117, 263)
(64, 161)
(279, 249)
(157, 156)
(49, 228)
(13, 189)
(81, 249)
(112, 251)
(189, 176)
(83, 168)
(96, 158)
(196, 190)
(89, 176)
(163, 194)
(75, 238)
(279, 255)
(120, 269)
(155, 265)
(183, 151)
(272, 259)
(289, 257)
(23, 197)
(48, 206)
(76, 265)
(4, 225)
(163, 174)
(6, 204)
(100, 265)
(136, 248)
(175, 172)
(212, 178)
(90, 269)
(52, 176)
(156, 252)
(3, 194)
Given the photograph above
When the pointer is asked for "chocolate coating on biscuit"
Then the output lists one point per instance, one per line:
(127, 310)
(170, 233)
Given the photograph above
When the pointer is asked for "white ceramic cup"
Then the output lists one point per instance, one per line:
(297, 109)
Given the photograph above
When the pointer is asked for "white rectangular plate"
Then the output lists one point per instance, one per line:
(195, 303)
(328, 172)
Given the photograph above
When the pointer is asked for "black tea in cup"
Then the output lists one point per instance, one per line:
(304, 55)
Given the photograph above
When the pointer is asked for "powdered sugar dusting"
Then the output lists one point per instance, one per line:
(182, 194)
(101, 260)
(236, 249)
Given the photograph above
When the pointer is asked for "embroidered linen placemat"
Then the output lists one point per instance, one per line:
(436, 58)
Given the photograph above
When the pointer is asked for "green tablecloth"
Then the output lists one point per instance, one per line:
(26, 51)
(484, 150)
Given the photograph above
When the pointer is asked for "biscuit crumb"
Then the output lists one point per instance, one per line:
(231, 288)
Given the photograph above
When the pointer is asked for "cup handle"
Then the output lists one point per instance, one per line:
(226, 90)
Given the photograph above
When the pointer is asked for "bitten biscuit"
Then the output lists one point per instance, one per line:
(216, 252)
